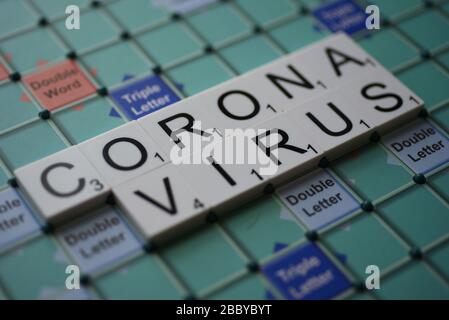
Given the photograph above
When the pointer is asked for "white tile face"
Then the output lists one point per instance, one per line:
(383, 100)
(336, 60)
(179, 127)
(16, 219)
(286, 84)
(123, 153)
(226, 179)
(62, 185)
(242, 103)
(288, 146)
(334, 122)
(159, 201)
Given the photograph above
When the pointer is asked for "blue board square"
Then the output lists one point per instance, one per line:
(420, 145)
(16, 219)
(303, 197)
(86, 252)
(144, 96)
(306, 273)
(342, 15)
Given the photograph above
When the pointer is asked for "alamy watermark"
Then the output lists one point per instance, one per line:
(372, 281)
(72, 281)
(73, 19)
(232, 146)
(373, 19)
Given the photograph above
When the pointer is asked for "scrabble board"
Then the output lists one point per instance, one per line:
(374, 195)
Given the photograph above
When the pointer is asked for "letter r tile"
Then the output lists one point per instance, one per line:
(59, 85)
